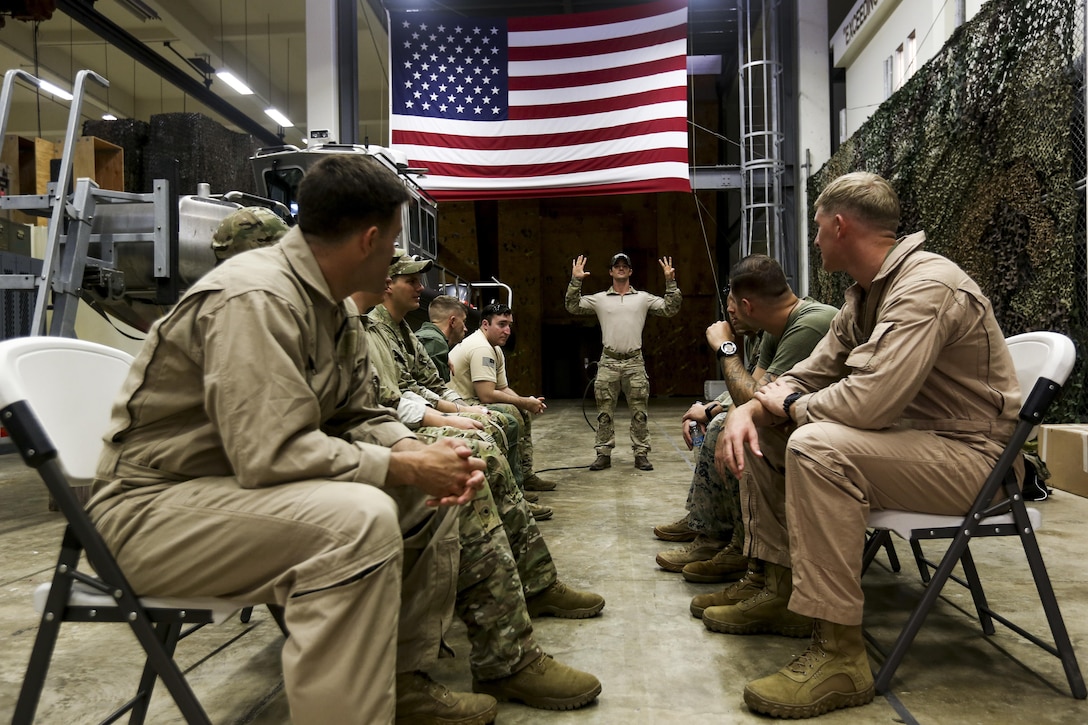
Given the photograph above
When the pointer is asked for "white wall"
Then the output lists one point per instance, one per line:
(888, 26)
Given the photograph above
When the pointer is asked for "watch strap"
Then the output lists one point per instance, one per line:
(788, 403)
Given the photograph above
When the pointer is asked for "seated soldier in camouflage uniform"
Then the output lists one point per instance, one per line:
(419, 374)
(507, 573)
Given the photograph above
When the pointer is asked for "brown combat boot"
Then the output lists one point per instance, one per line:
(602, 462)
(833, 673)
(701, 549)
(559, 600)
(676, 531)
(766, 611)
(544, 684)
(754, 580)
(642, 462)
(729, 564)
(540, 511)
(422, 701)
(534, 482)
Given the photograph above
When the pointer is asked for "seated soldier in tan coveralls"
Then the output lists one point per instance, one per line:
(248, 458)
(913, 380)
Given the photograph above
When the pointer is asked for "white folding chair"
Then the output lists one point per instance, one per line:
(55, 401)
(1043, 362)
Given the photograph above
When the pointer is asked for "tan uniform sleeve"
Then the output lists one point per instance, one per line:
(275, 429)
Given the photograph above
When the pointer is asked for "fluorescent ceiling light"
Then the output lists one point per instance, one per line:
(108, 117)
(278, 117)
(50, 88)
(140, 9)
(231, 80)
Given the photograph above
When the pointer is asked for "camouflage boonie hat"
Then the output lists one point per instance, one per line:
(245, 229)
(404, 263)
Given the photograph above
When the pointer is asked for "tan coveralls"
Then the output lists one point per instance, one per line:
(246, 459)
(909, 400)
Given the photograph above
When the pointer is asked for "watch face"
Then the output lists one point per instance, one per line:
(728, 348)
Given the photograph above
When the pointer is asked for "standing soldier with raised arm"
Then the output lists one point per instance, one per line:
(622, 312)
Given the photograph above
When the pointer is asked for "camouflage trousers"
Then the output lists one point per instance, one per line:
(630, 377)
(504, 561)
(504, 427)
(713, 502)
(518, 427)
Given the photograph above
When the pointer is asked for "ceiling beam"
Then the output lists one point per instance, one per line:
(84, 14)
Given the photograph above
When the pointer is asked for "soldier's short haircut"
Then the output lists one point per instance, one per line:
(757, 275)
(443, 306)
(345, 193)
(867, 196)
(494, 310)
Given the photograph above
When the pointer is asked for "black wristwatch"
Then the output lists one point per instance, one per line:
(788, 402)
(727, 349)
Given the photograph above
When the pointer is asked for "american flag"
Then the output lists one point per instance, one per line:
(563, 105)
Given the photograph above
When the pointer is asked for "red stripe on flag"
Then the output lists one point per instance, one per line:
(597, 47)
(597, 163)
(541, 141)
(600, 17)
(643, 186)
(593, 77)
(603, 105)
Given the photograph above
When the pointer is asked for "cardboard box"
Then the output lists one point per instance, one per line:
(1064, 449)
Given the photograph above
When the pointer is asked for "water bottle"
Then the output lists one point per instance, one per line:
(696, 434)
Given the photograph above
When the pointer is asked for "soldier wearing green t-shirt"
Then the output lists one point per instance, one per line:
(760, 299)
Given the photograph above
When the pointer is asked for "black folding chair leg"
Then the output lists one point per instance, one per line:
(920, 560)
(278, 613)
(918, 616)
(169, 633)
(872, 546)
(1054, 615)
(974, 584)
(163, 664)
(48, 631)
(889, 547)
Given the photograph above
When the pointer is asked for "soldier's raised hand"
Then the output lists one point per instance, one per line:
(667, 268)
(578, 268)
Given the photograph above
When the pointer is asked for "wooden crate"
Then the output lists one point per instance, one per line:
(100, 161)
(29, 160)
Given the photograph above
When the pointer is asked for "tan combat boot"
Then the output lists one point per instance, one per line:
(832, 673)
(676, 531)
(729, 564)
(766, 611)
(544, 684)
(534, 482)
(422, 701)
(559, 600)
(702, 548)
(754, 580)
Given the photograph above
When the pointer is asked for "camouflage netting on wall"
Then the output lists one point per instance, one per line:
(985, 145)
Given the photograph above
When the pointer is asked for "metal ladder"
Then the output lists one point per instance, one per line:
(69, 233)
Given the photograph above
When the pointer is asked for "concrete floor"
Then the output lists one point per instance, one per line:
(657, 664)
